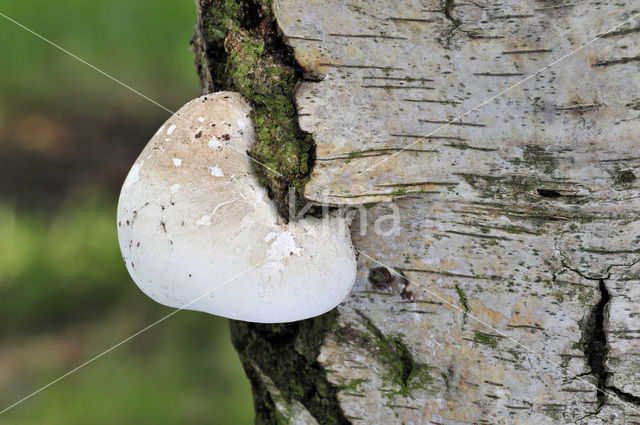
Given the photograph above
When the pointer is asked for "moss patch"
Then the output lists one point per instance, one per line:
(246, 54)
(485, 339)
(287, 354)
(352, 386)
(404, 374)
(464, 302)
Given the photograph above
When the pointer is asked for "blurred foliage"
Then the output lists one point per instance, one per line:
(65, 295)
(54, 269)
(144, 43)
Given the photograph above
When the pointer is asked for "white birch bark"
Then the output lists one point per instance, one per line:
(523, 213)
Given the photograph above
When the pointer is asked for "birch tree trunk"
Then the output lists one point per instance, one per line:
(507, 289)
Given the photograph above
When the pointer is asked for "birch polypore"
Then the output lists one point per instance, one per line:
(197, 231)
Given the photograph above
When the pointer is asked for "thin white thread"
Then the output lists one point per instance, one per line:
(497, 95)
(62, 49)
(559, 366)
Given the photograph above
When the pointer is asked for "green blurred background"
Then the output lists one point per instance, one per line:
(68, 136)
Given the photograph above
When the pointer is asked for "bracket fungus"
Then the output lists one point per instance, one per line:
(197, 231)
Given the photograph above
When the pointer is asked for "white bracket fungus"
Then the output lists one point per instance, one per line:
(197, 231)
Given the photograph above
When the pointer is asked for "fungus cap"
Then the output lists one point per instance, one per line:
(197, 231)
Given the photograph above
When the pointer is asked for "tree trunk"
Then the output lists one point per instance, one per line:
(499, 266)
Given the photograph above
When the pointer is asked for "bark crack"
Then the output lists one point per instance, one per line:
(238, 48)
(596, 350)
(594, 335)
(447, 11)
(624, 396)
(595, 346)
(286, 353)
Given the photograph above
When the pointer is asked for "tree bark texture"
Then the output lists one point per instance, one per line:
(509, 290)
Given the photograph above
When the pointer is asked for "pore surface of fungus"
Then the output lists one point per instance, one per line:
(197, 230)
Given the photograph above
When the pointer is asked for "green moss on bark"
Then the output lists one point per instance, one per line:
(404, 374)
(485, 339)
(287, 354)
(246, 54)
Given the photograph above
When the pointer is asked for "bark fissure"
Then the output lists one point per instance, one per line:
(549, 193)
(596, 350)
(238, 48)
(595, 343)
(447, 10)
(287, 354)
(626, 397)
